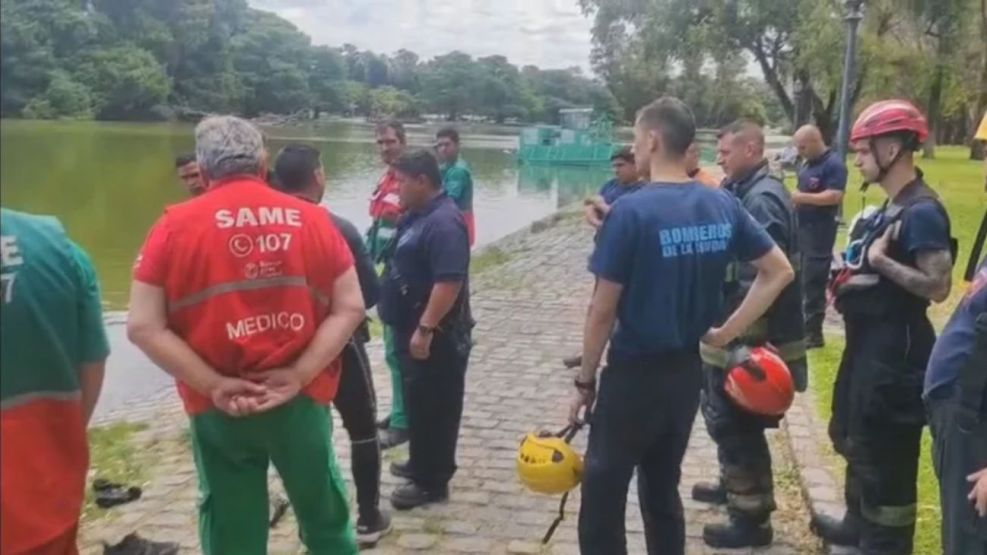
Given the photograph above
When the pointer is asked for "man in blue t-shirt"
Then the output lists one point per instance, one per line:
(821, 183)
(956, 398)
(660, 264)
(425, 300)
(626, 180)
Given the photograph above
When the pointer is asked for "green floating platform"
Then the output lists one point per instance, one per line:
(578, 141)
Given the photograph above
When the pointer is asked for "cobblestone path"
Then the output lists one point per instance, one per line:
(529, 308)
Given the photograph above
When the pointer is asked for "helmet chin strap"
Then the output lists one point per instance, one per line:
(911, 145)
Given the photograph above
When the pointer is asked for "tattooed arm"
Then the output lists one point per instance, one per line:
(932, 279)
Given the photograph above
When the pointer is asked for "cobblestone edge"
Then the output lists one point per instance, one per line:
(806, 433)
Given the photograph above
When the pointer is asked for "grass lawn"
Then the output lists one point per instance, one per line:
(113, 456)
(959, 182)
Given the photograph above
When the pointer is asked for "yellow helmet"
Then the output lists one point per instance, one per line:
(546, 463)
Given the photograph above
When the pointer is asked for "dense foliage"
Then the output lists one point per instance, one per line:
(933, 52)
(156, 59)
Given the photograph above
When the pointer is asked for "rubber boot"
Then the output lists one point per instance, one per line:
(844, 532)
(710, 492)
(737, 533)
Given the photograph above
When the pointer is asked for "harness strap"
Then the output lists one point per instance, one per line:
(566, 434)
(975, 252)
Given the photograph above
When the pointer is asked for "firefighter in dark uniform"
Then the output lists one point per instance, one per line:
(746, 483)
(897, 261)
(956, 399)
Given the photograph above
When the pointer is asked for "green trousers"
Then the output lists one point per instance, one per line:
(399, 418)
(232, 457)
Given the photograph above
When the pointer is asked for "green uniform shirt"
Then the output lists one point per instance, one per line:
(52, 318)
(457, 180)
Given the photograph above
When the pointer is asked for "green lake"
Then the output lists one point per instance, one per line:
(108, 182)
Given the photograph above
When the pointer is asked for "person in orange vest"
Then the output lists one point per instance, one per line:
(385, 209)
(247, 297)
(51, 373)
(696, 171)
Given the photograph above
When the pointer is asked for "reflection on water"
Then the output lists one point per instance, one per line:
(109, 182)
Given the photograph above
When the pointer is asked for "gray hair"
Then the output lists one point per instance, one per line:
(227, 145)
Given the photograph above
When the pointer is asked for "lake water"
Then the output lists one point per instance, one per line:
(108, 182)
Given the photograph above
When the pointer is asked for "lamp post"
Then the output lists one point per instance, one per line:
(853, 16)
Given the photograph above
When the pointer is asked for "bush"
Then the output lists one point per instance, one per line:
(64, 98)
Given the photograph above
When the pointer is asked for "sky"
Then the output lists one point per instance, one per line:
(546, 33)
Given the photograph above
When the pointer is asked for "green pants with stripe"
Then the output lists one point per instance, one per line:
(399, 418)
(232, 456)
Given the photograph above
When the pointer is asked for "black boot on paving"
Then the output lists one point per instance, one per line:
(401, 470)
(709, 492)
(133, 544)
(845, 532)
(392, 437)
(735, 534)
(412, 495)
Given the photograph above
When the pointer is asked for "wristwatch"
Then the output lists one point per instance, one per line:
(427, 330)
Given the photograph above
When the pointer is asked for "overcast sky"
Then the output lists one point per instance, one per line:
(546, 33)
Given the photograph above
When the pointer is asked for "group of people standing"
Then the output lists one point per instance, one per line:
(255, 298)
(689, 273)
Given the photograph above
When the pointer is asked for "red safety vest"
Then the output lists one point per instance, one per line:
(248, 274)
(385, 202)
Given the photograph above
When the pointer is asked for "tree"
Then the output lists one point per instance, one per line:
(389, 102)
(64, 98)
(126, 82)
(449, 83)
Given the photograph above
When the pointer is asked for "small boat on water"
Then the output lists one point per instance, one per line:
(580, 140)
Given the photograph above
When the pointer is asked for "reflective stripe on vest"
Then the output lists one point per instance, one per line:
(245, 285)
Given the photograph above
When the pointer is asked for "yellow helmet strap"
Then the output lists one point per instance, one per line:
(566, 434)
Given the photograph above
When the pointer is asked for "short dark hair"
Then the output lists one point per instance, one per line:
(294, 167)
(749, 129)
(417, 163)
(394, 124)
(625, 154)
(448, 133)
(673, 120)
(184, 160)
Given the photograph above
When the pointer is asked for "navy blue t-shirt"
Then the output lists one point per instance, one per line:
(924, 227)
(828, 172)
(431, 246)
(613, 190)
(955, 344)
(669, 245)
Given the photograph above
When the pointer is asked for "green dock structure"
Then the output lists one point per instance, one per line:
(579, 140)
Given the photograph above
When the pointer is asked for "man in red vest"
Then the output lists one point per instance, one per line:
(247, 296)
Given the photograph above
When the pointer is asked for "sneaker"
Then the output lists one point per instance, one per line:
(392, 437)
(370, 531)
(734, 535)
(412, 495)
(709, 492)
(133, 544)
(401, 470)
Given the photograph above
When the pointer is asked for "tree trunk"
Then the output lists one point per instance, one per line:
(977, 147)
(932, 113)
(773, 80)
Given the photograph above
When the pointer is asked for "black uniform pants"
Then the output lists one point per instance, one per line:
(958, 451)
(816, 240)
(642, 420)
(433, 390)
(357, 405)
(877, 425)
(742, 451)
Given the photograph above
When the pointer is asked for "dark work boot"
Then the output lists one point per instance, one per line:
(412, 495)
(401, 470)
(845, 531)
(710, 492)
(392, 437)
(736, 533)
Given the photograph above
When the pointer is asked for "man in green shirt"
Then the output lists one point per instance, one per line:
(51, 373)
(457, 178)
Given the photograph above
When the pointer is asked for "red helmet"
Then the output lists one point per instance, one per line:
(760, 383)
(889, 116)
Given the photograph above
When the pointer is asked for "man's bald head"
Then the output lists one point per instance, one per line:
(809, 142)
(740, 148)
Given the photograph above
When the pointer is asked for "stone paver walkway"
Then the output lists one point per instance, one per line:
(530, 311)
